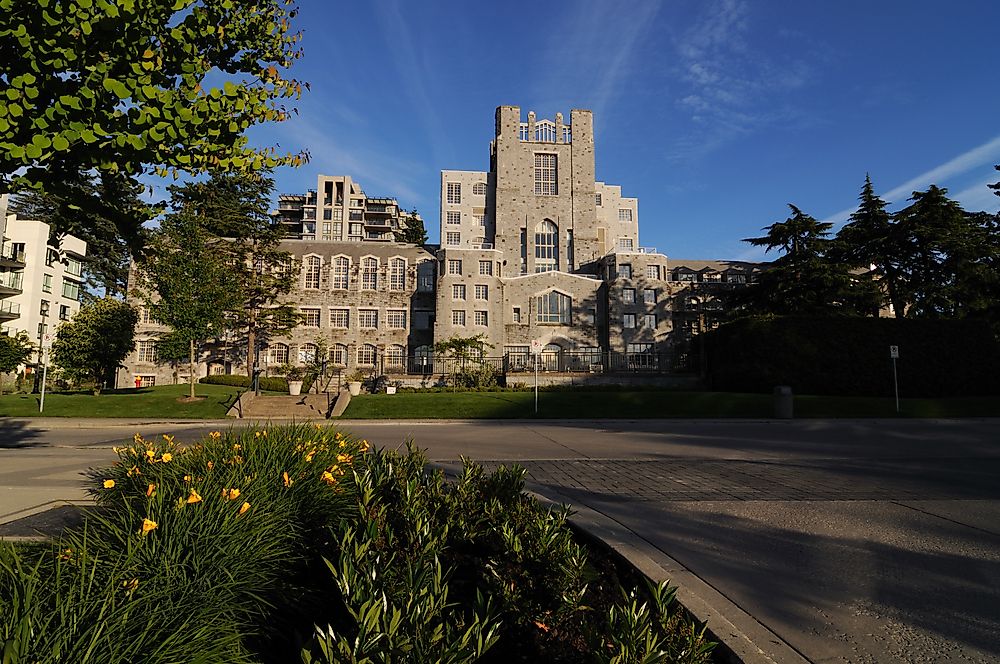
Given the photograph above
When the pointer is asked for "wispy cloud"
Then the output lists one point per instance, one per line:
(977, 196)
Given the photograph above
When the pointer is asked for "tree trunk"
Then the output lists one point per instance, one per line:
(251, 351)
(191, 367)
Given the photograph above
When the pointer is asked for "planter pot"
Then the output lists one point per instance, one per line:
(354, 387)
(295, 387)
(390, 389)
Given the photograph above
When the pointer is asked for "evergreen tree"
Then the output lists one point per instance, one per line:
(995, 187)
(413, 232)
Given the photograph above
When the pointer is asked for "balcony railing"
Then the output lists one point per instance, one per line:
(11, 280)
(10, 309)
(10, 253)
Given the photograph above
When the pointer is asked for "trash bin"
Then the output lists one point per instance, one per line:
(783, 402)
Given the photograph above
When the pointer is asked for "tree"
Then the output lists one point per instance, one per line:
(235, 207)
(93, 344)
(466, 354)
(120, 87)
(995, 187)
(97, 209)
(804, 280)
(14, 351)
(413, 232)
(187, 283)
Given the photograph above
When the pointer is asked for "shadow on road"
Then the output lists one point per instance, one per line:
(15, 435)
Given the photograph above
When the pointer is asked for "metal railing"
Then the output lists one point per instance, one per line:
(10, 308)
(11, 280)
(562, 362)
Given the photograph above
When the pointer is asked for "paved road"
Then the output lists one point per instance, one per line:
(853, 541)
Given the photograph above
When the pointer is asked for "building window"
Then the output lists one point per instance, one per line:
(311, 268)
(395, 319)
(625, 244)
(628, 295)
(338, 355)
(545, 174)
(624, 214)
(46, 283)
(458, 317)
(369, 273)
(479, 189)
(625, 270)
(338, 214)
(425, 282)
(328, 215)
(649, 295)
(482, 292)
(683, 276)
(395, 355)
(145, 351)
(454, 192)
(480, 219)
(453, 239)
(546, 246)
(736, 278)
(51, 257)
(397, 274)
(74, 266)
(553, 307)
(458, 291)
(653, 272)
(310, 317)
(517, 314)
(454, 266)
(639, 348)
(486, 268)
(340, 318)
(366, 355)
(524, 251)
(63, 312)
(454, 217)
(368, 319)
(649, 321)
(307, 353)
(591, 317)
(277, 354)
(354, 230)
(597, 200)
(341, 272)
(70, 290)
(482, 318)
(628, 321)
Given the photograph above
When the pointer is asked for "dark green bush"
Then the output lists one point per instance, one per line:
(268, 383)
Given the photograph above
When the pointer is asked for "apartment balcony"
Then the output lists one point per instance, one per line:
(380, 224)
(10, 283)
(9, 310)
(9, 257)
(380, 209)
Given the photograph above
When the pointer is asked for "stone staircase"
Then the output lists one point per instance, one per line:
(271, 407)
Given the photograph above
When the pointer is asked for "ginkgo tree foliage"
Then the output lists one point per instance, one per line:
(126, 87)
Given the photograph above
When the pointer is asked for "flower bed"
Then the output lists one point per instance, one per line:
(294, 544)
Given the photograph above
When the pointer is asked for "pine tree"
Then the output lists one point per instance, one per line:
(413, 231)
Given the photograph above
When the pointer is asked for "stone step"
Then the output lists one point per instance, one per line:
(306, 406)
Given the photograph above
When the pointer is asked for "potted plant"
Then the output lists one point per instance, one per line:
(294, 377)
(354, 382)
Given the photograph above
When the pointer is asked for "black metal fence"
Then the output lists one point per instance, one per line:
(562, 362)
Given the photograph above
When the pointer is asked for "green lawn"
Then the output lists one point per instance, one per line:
(159, 401)
(646, 404)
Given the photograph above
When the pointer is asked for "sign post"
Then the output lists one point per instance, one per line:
(44, 358)
(894, 355)
(536, 350)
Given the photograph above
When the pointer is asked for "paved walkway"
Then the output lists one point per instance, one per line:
(822, 541)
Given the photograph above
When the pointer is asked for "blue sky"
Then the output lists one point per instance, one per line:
(714, 113)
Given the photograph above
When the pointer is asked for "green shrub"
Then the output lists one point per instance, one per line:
(267, 383)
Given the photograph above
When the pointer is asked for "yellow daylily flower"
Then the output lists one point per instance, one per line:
(193, 497)
(244, 507)
(214, 435)
(344, 458)
(286, 479)
(148, 525)
(230, 494)
(167, 457)
(211, 465)
(150, 454)
(150, 490)
(130, 586)
(109, 484)
(328, 477)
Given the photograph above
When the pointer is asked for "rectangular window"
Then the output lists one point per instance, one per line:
(311, 266)
(328, 215)
(639, 348)
(338, 214)
(454, 266)
(458, 291)
(145, 351)
(597, 200)
(310, 317)
(458, 317)
(63, 312)
(74, 267)
(591, 317)
(425, 283)
(653, 272)
(453, 239)
(46, 283)
(625, 270)
(482, 318)
(368, 319)
(70, 290)
(340, 318)
(624, 214)
(369, 273)
(354, 229)
(737, 278)
(625, 244)
(684, 276)
(628, 321)
(454, 192)
(517, 314)
(341, 270)
(454, 217)
(545, 174)
(395, 319)
(480, 219)
(486, 268)
(628, 295)
(338, 229)
(397, 274)
(482, 292)
(649, 321)
(649, 295)
(553, 307)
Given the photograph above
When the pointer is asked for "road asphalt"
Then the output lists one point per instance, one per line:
(804, 540)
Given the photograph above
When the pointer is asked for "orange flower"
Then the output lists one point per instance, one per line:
(134, 470)
(147, 526)
(244, 507)
(167, 457)
(214, 435)
(187, 478)
(137, 439)
(364, 445)
(109, 484)
(230, 494)
(237, 447)
(150, 490)
(328, 477)
(211, 465)
(193, 497)
(67, 554)
(344, 458)
(286, 479)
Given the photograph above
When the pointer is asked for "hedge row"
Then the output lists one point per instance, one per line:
(269, 384)
(850, 356)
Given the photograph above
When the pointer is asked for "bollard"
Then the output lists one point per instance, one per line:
(783, 409)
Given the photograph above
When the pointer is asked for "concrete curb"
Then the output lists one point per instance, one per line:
(741, 637)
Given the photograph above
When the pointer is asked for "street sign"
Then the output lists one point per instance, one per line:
(46, 341)
(536, 347)
(894, 352)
